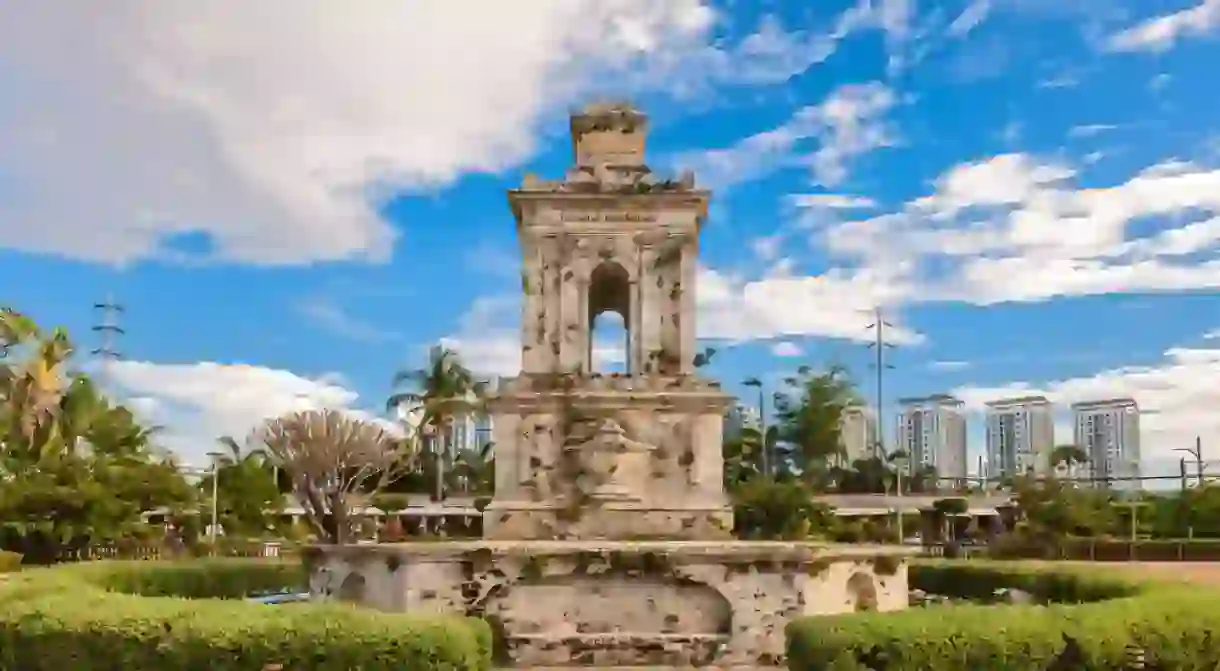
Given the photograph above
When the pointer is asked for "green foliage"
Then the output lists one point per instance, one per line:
(809, 413)
(73, 618)
(79, 469)
(246, 491)
(1092, 620)
(9, 561)
(765, 509)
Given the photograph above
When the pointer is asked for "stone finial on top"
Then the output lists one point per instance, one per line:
(612, 134)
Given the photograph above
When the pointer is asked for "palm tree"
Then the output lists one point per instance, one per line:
(32, 386)
(444, 390)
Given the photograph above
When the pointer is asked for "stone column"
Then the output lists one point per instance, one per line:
(636, 354)
(533, 342)
(708, 468)
(649, 310)
(571, 345)
(686, 304)
(552, 282)
(506, 435)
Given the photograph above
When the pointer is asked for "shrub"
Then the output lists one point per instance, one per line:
(9, 561)
(77, 617)
(1092, 622)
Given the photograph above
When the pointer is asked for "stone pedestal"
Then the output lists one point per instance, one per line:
(590, 603)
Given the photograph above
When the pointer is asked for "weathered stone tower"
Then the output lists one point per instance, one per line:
(607, 542)
(585, 455)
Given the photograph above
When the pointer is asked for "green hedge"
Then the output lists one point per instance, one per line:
(1109, 617)
(9, 561)
(78, 617)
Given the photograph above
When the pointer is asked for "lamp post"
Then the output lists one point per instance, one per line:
(900, 463)
(762, 423)
(215, 456)
(1197, 453)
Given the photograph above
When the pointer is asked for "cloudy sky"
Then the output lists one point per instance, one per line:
(293, 198)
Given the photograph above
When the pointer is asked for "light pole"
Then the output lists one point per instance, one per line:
(1197, 453)
(879, 345)
(762, 423)
(899, 464)
(215, 456)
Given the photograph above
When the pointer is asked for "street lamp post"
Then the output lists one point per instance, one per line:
(762, 423)
(215, 456)
(1197, 453)
(899, 465)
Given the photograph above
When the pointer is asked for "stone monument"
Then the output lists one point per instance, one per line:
(608, 541)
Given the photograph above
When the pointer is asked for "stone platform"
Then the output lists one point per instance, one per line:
(621, 603)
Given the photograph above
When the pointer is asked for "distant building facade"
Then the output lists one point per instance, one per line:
(738, 418)
(1020, 436)
(1108, 431)
(857, 434)
(932, 431)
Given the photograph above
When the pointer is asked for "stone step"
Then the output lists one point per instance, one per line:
(614, 649)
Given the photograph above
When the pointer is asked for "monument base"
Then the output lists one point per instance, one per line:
(606, 603)
(612, 520)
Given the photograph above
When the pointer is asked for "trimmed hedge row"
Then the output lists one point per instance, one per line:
(1091, 621)
(152, 616)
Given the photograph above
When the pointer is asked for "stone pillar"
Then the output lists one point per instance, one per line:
(650, 308)
(636, 353)
(686, 304)
(708, 468)
(552, 282)
(506, 436)
(573, 324)
(533, 341)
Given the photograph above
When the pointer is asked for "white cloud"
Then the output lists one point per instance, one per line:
(848, 123)
(949, 365)
(1177, 398)
(1160, 33)
(831, 201)
(1213, 334)
(199, 402)
(178, 118)
(1014, 228)
(786, 349)
(836, 304)
(970, 18)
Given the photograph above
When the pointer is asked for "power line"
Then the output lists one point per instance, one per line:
(109, 330)
(879, 346)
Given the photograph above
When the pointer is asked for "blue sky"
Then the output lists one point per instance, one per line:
(291, 205)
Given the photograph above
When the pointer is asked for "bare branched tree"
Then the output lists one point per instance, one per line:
(329, 456)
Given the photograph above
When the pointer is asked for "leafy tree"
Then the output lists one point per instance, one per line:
(330, 456)
(809, 414)
(1068, 457)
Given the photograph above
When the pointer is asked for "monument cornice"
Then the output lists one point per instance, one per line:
(548, 401)
(696, 199)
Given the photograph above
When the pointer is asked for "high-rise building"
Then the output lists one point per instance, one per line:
(1108, 432)
(1020, 436)
(932, 432)
(857, 433)
(740, 417)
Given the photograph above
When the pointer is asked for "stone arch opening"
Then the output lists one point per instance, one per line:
(863, 591)
(609, 325)
(351, 590)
